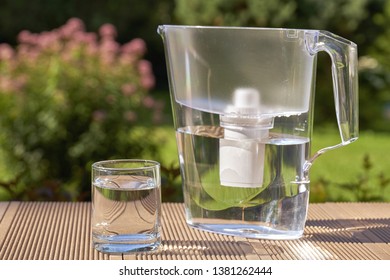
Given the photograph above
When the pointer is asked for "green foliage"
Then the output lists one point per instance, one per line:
(50, 134)
(366, 22)
(367, 186)
(381, 48)
(234, 12)
(70, 97)
(345, 14)
(356, 172)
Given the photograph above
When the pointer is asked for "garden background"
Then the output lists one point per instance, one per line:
(82, 81)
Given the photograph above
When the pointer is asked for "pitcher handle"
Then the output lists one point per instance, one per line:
(343, 55)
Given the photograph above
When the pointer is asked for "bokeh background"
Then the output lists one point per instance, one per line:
(82, 81)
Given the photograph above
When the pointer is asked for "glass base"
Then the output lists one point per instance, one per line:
(126, 244)
(126, 248)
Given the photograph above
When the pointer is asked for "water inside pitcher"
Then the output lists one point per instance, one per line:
(242, 101)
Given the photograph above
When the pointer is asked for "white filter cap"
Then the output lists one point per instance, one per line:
(246, 98)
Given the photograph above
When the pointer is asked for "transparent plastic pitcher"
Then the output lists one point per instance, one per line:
(242, 101)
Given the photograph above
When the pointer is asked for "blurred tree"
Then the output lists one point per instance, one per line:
(365, 22)
(335, 15)
(69, 97)
(375, 72)
(381, 47)
(132, 18)
(235, 12)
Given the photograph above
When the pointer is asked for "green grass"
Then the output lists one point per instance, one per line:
(347, 166)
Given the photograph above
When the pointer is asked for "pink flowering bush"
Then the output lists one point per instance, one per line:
(67, 98)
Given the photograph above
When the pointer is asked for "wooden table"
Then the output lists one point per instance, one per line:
(61, 231)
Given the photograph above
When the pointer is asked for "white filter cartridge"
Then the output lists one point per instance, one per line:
(241, 151)
(241, 160)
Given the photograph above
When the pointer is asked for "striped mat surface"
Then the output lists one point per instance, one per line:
(61, 231)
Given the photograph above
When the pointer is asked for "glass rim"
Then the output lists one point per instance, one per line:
(148, 164)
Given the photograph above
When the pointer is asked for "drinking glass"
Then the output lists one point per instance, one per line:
(126, 206)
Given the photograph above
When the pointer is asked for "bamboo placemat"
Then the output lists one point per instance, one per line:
(61, 231)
